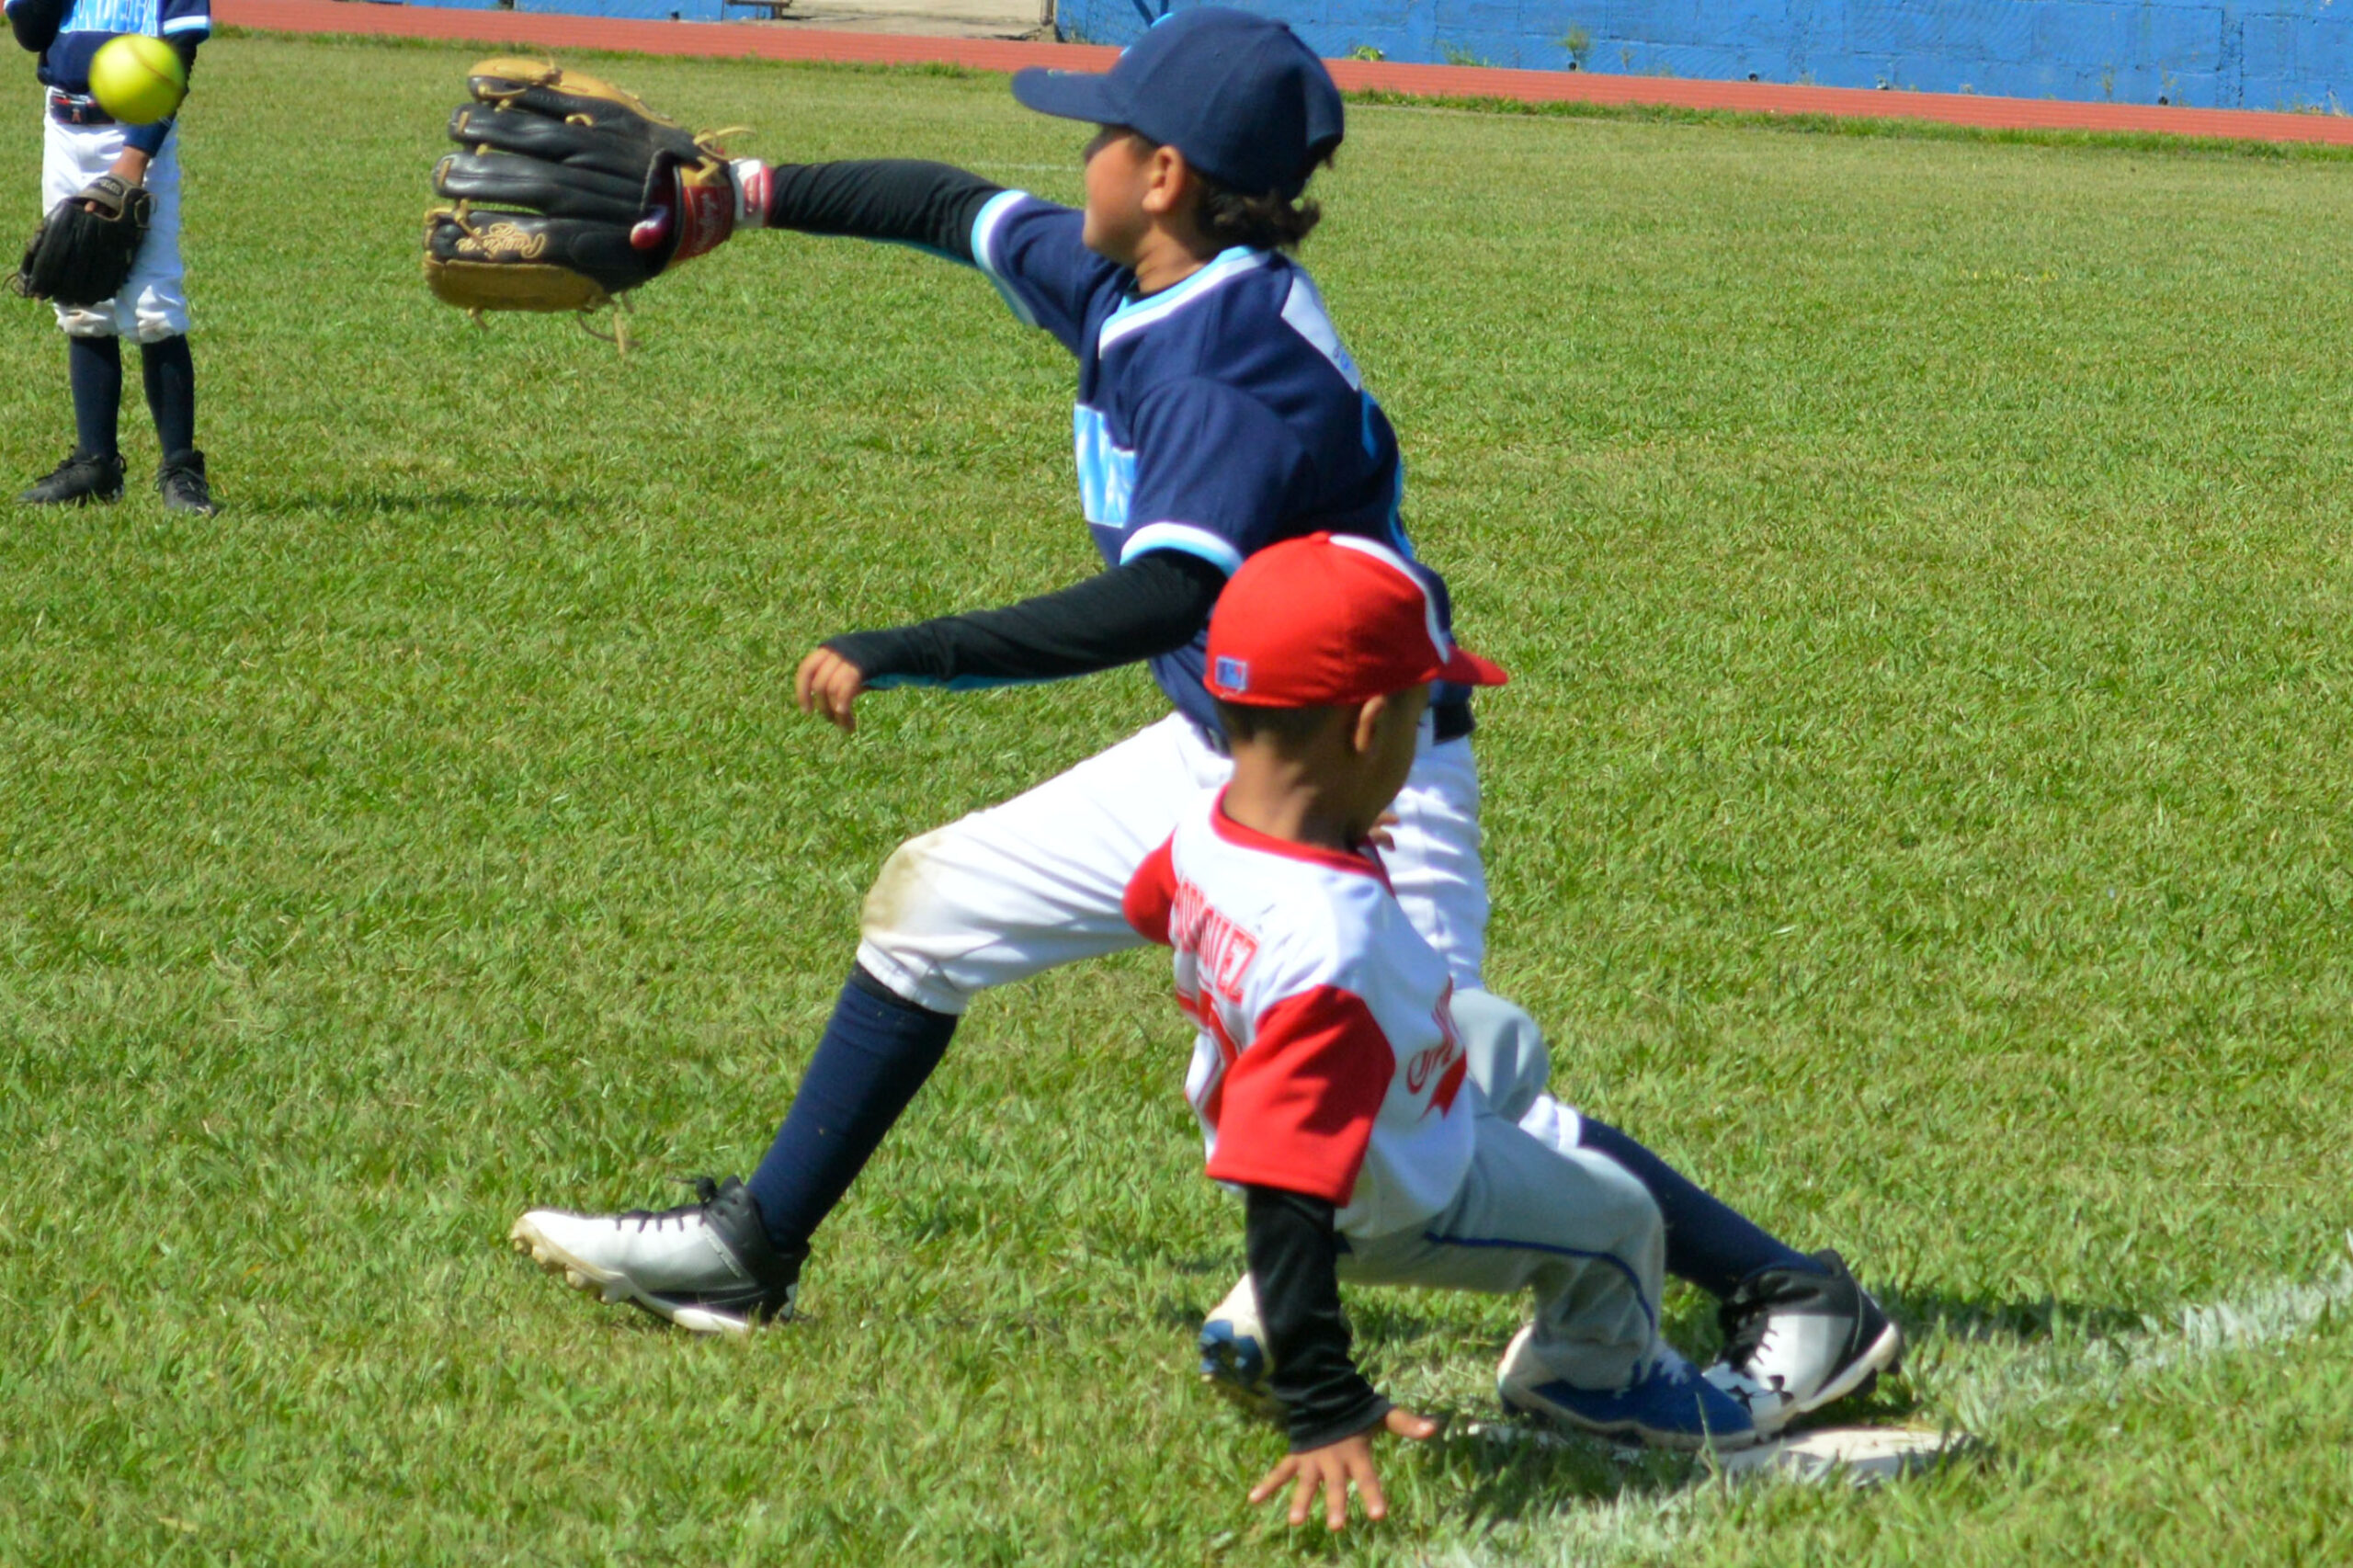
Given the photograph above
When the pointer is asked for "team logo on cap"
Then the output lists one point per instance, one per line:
(1233, 675)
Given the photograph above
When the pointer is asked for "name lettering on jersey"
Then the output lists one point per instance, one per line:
(1445, 1059)
(1222, 952)
(111, 16)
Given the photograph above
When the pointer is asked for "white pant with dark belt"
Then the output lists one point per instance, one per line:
(153, 305)
(1035, 883)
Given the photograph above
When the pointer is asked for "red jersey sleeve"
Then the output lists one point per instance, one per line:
(1152, 891)
(1299, 1104)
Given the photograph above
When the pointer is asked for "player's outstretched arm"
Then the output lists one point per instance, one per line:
(1154, 604)
(898, 201)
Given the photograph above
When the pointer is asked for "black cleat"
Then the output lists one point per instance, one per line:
(181, 480)
(79, 479)
(708, 1266)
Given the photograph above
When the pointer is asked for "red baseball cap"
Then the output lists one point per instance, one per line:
(1330, 618)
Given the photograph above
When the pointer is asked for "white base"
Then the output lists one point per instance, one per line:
(1857, 1454)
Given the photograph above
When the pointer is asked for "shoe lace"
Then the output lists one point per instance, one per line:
(706, 1193)
(1745, 1316)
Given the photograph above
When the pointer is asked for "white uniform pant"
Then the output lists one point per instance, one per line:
(1535, 1212)
(1574, 1227)
(1035, 883)
(152, 303)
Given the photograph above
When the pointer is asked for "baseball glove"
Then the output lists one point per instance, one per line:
(82, 253)
(570, 191)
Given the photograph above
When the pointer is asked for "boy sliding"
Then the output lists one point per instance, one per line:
(1329, 1075)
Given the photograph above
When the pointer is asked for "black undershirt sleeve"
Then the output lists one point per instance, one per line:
(1154, 604)
(898, 199)
(1290, 1245)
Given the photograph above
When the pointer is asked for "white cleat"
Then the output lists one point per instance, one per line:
(1797, 1341)
(708, 1266)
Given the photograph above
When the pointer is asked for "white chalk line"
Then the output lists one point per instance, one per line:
(1983, 1381)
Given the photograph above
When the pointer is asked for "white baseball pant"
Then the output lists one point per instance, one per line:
(1032, 884)
(1536, 1211)
(153, 305)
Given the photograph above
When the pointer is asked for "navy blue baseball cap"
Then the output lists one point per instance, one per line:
(1238, 93)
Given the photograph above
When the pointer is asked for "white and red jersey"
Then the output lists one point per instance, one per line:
(1327, 1063)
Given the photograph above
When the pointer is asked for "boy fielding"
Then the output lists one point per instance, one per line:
(1217, 414)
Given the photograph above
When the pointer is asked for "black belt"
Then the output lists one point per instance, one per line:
(70, 108)
(1450, 720)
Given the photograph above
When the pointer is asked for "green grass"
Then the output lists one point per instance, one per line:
(1920, 811)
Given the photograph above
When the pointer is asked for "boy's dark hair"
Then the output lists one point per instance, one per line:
(1261, 222)
(1289, 728)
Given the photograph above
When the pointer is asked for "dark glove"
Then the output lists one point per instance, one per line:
(82, 253)
(571, 190)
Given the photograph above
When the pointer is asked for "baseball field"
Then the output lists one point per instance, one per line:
(1921, 811)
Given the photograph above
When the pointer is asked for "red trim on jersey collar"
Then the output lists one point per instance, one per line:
(1365, 862)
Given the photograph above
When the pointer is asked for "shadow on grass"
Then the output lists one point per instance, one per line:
(519, 500)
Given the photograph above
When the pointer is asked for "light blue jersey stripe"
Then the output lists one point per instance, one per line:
(1186, 537)
(1107, 471)
(985, 228)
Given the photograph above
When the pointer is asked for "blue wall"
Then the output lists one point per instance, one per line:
(637, 10)
(2265, 54)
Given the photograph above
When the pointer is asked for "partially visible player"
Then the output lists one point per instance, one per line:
(83, 143)
(1217, 414)
(1331, 1080)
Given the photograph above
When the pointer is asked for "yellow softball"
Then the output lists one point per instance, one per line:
(137, 79)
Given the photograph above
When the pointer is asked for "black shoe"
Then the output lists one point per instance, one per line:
(181, 480)
(708, 1266)
(80, 479)
(1796, 1340)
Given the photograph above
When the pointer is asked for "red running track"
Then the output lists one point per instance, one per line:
(549, 30)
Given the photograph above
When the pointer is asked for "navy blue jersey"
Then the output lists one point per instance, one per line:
(1215, 417)
(65, 63)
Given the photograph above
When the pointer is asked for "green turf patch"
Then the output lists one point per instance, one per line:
(1919, 810)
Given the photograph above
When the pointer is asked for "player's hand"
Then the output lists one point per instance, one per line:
(1334, 1466)
(131, 167)
(828, 685)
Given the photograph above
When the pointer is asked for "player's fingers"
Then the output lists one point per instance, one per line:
(1404, 1423)
(1336, 1499)
(1272, 1482)
(1302, 1497)
(804, 680)
(1376, 1506)
(842, 686)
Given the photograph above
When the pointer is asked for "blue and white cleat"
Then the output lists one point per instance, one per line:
(1668, 1405)
(1233, 1353)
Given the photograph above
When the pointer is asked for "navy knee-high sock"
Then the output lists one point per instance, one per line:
(878, 1049)
(1707, 1242)
(170, 373)
(94, 367)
